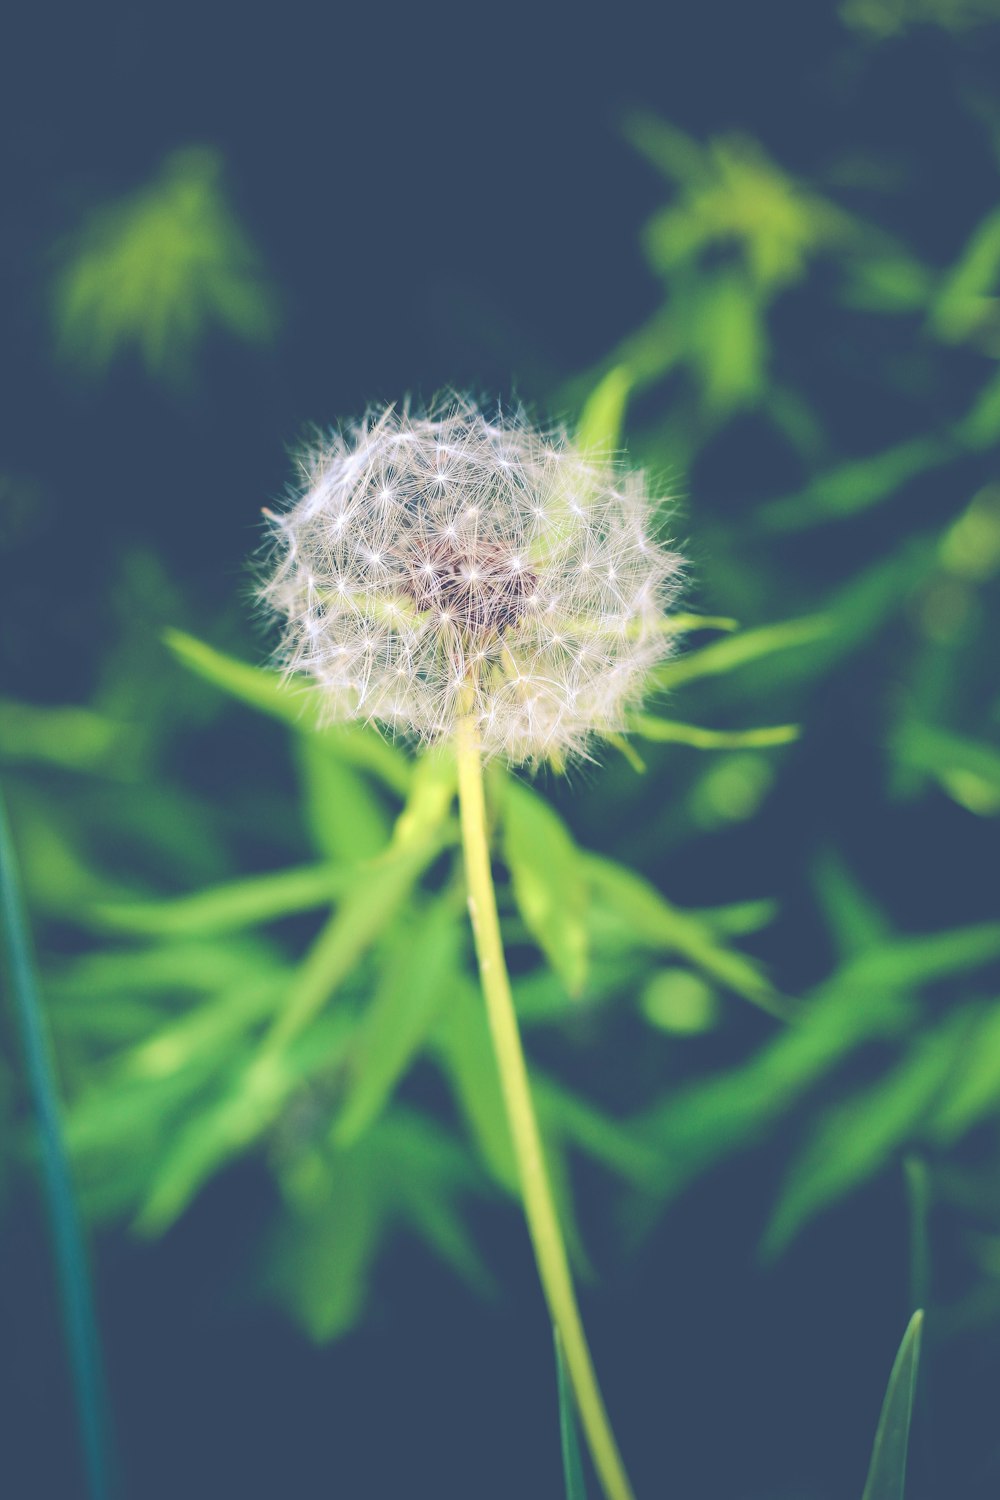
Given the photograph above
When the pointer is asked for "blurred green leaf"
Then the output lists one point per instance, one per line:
(911, 962)
(966, 302)
(887, 283)
(748, 646)
(854, 1139)
(603, 417)
(730, 1111)
(345, 818)
(670, 731)
(967, 770)
(853, 918)
(887, 1471)
(404, 1172)
(462, 1046)
(241, 903)
(726, 340)
(548, 881)
(856, 485)
(412, 990)
(295, 703)
(195, 966)
(156, 270)
(974, 1091)
(76, 738)
(646, 918)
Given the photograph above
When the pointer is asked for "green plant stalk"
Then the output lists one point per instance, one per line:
(75, 1296)
(539, 1206)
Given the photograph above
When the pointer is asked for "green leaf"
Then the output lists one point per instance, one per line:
(571, 1457)
(856, 485)
(974, 1091)
(251, 1099)
(603, 416)
(346, 820)
(376, 896)
(887, 1471)
(748, 646)
(196, 966)
(76, 738)
(855, 1139)
(855, 921)
(966, 302)
(549, 885)
(226, 908)
(412, 990)
(341, 1205)
(911, 962)
(966, 769)
(669, 731)
(319, 1258)
(730, 1111)
(294, 702)
(462, 1046)
(647, 919)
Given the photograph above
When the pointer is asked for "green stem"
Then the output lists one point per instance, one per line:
(539, 1207)
(79, 1318)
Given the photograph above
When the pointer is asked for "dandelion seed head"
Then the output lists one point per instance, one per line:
(443, 564)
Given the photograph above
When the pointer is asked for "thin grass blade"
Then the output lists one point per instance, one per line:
(75, 1294)
(887, 1471)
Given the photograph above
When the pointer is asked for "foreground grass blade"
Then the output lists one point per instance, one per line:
(572, 1461)
(67, 1238)
(887, 1471)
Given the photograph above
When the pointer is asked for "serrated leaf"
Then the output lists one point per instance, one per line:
(294, 702)
(549, 885)
(887, 1471)
(406, 1003)
(670, 731)
(569, 1439)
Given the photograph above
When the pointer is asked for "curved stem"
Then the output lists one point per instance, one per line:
(539, 1207)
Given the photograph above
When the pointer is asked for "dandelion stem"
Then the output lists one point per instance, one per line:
(79, 1318)
(539, 1207)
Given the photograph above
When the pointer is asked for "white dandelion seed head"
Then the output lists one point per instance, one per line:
(444, 564)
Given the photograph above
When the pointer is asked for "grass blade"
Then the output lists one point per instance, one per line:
(887, 1471)
(572, 1461)
(67, 1237)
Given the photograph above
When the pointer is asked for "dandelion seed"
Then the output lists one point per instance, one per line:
(523, 585)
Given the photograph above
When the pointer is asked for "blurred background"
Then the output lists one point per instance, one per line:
(780, 225)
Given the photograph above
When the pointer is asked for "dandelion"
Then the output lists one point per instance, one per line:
(441, 567)
(477, 582)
